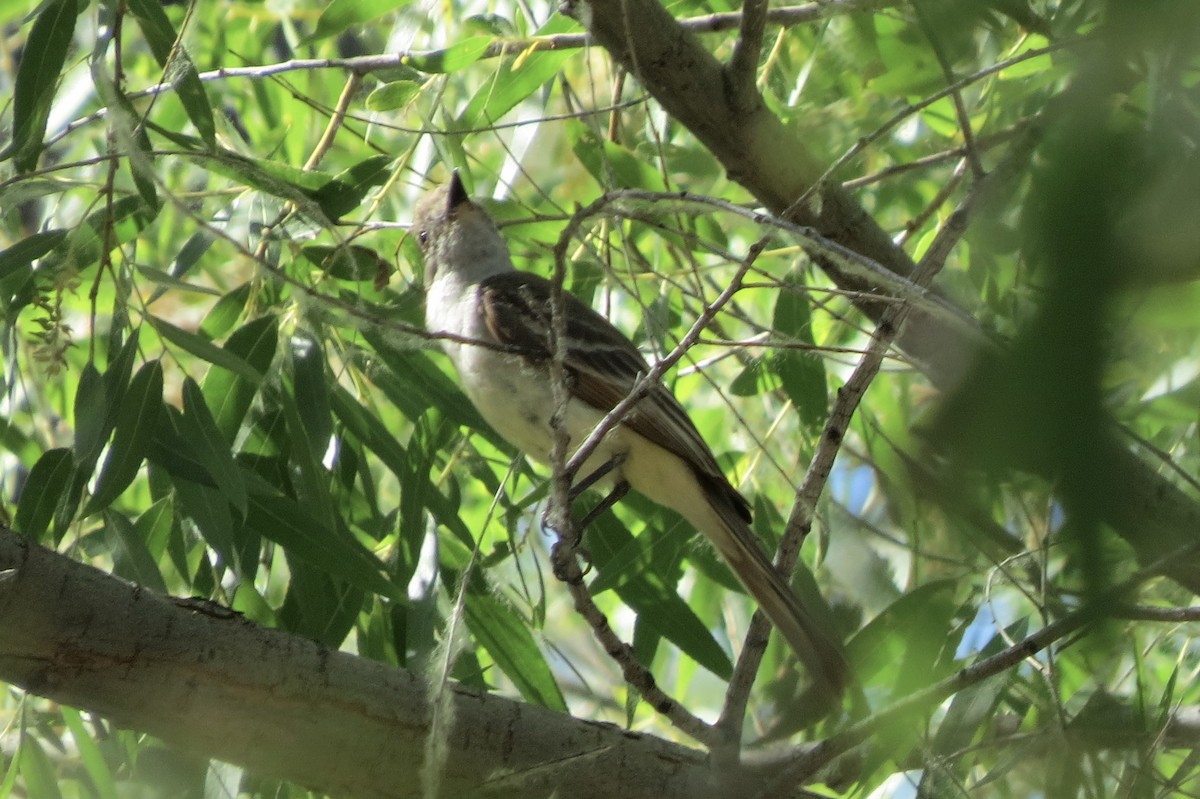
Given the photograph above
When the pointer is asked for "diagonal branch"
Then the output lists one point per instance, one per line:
(1154, 515)
(743, 64)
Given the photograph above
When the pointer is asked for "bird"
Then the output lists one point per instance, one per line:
(495, 324)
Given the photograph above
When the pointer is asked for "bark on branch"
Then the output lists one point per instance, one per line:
(209, 682)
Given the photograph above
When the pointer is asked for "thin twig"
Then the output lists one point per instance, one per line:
(960, 108)
(900, 116)
(810, 761)
(564, 554)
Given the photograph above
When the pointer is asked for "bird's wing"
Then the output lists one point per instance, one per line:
(603, 366)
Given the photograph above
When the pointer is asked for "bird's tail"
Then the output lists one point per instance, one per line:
(820, 652)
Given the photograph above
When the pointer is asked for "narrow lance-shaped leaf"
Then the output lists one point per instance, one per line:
(205, 350)
(507, 639)
(341, 15)
(136, 422)
(228, 394)
(199, 429)
(42, 61)
(42, 492)
(161, 36)
(801, 373)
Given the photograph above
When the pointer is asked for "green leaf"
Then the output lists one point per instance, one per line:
(373, 434)
(208, 509)
(347, 262)
(305, 405)
(205, 350)
(86, 244)
(89, 752)
(42, 61)
(393, 96)
(752, 380)
(612, 165)
(801, 373)
(43, 490)
(116, 381)
(278, 180)
(907, 641)
(91, 415)
(136, 422)
(29, 249)
(225, 313)
(176, 63)
(516, 80)
(345, 192)
(453, 58)
(200, 433)
(506, 637)
(656, 603)
(156, 28)
(341, 15)
(312, 391)
(229, 394)
(37, 770)
(285, 522)
(131, 558)
(415, 383)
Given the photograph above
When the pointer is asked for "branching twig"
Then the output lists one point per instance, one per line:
(906, 112)
(566, 565)
(960, 108)
(811, 760)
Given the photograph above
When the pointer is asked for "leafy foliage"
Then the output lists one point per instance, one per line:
(216, 382)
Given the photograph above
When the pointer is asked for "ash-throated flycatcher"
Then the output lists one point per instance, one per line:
(475, 293)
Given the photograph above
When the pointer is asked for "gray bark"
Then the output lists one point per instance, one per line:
(209, 682)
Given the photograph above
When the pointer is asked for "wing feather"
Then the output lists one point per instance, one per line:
(603, 366)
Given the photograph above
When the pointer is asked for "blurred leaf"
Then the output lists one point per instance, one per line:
(93, 760)
(42, 61)
(801, 373)
(136, 422)
(42, 492)
(27, 250)
(753, 379)
(131, 558)
(453, 58)
(205, 350)
(612, 166)
(177, 66)
(346, 191)
(201, 435)
(506, 638)
(907, 640)
(393, 96)
(229, 394)
(350, 262)
(285, 522)
(341, 15)
(515, 80)
(40, 778)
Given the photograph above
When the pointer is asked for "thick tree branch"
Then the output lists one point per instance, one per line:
(209, 682)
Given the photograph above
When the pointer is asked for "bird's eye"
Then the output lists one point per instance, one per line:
(423, 237)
